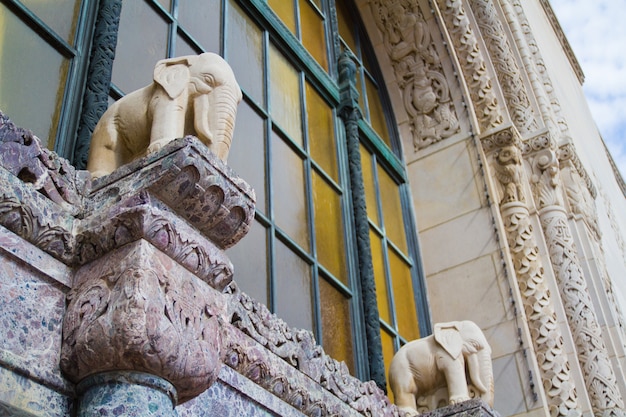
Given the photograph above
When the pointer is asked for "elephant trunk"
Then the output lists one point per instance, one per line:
(481, 373)
(215, 118)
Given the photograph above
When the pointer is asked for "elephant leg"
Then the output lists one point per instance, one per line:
(104, 155)
(454, 373)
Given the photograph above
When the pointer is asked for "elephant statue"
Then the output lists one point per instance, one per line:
(191, 95)
(422, 366)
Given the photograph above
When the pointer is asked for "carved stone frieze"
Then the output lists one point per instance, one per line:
(506, 66)
(22, 154)
(298, 352)
(503, 151)
(542, 321)
(488, 110)
(592, 353)
(133, 309)
(144, 217)
(545, 179)
(418, 71)
(193, 183)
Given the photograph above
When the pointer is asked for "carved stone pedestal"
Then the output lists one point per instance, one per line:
(471, 408)
(132, 394)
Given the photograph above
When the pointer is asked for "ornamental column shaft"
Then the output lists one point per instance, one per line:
(592, 353)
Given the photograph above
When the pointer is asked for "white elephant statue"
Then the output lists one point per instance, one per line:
(422, 366)
(191, 95)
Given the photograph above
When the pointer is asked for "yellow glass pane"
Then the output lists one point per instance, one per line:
(321, 132)
(346, 25)
(369, 184)
(336, 324)
(32, 78)
(249, 258)
(294, 302)
(392, 209)
(290, 206)
(378, 264)
(201, 19)
(247, 151)
(329, 228)
(403, 296)
(60, 15)
(141, 42)
(388, 352)
(285, 10)
(376, 112)
(313, 33)
(285, 95)
(244, 52)
(359, 87)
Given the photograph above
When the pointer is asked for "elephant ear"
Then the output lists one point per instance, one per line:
(173, 75)
(449, 338)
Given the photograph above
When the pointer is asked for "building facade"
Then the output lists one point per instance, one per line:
(413, 162)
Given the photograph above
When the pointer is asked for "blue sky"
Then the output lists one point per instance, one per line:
(596, 30)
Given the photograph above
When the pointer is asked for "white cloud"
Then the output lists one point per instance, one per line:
(596, 31)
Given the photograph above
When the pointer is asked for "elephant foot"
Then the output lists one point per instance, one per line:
(157, 144)
(458, 399)
(408, 411)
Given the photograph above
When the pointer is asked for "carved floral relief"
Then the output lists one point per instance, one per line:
(418, 71)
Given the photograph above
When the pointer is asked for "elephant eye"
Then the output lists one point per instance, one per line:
(209, 78)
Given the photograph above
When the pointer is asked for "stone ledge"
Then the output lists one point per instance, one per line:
(472, 408)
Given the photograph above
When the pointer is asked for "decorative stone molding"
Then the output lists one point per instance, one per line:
(592, 353)
(288, 363)
(418, 71)
(502, 149)
(505, 63)
(134, 309)
(473, 64)
(564, 42)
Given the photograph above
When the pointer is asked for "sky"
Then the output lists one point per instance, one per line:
(596, 30)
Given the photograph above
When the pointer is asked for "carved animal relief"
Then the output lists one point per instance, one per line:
(418, 71)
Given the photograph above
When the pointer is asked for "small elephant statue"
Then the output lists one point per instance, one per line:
(191, 95)
(422, 366)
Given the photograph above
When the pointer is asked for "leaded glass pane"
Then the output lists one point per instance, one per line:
(201, 19)
(46, 71)
(285, 10)
(392, 209)
(370, 186)
(244, 53)
(294, 301)
(247, 151)
(312, 28)
(321, 132)
(285, 95)
(290, 208)
(403, 295)
(380, 276)
(376, 112)
(141, 42)
(336, 324)
(60, 15)
(329, 228)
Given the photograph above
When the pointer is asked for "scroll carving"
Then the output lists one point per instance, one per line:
(298, 349)
(141, 315)
(503, 147)
(488, 109)
(418, 71)
(507, 69)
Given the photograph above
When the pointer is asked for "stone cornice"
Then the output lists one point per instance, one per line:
(558, 30)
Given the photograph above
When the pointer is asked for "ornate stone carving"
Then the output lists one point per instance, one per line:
(298, 350)
(418, 71)
(507, 69)
(473, 65)
(190, 95)
(96, 96)
(22, 155)
(132, 310)
(542, 322)
(421, 366)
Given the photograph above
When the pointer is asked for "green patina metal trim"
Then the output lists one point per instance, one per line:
(350, 114)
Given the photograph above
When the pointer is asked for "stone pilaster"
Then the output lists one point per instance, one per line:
(504, 151)
(592, 352)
